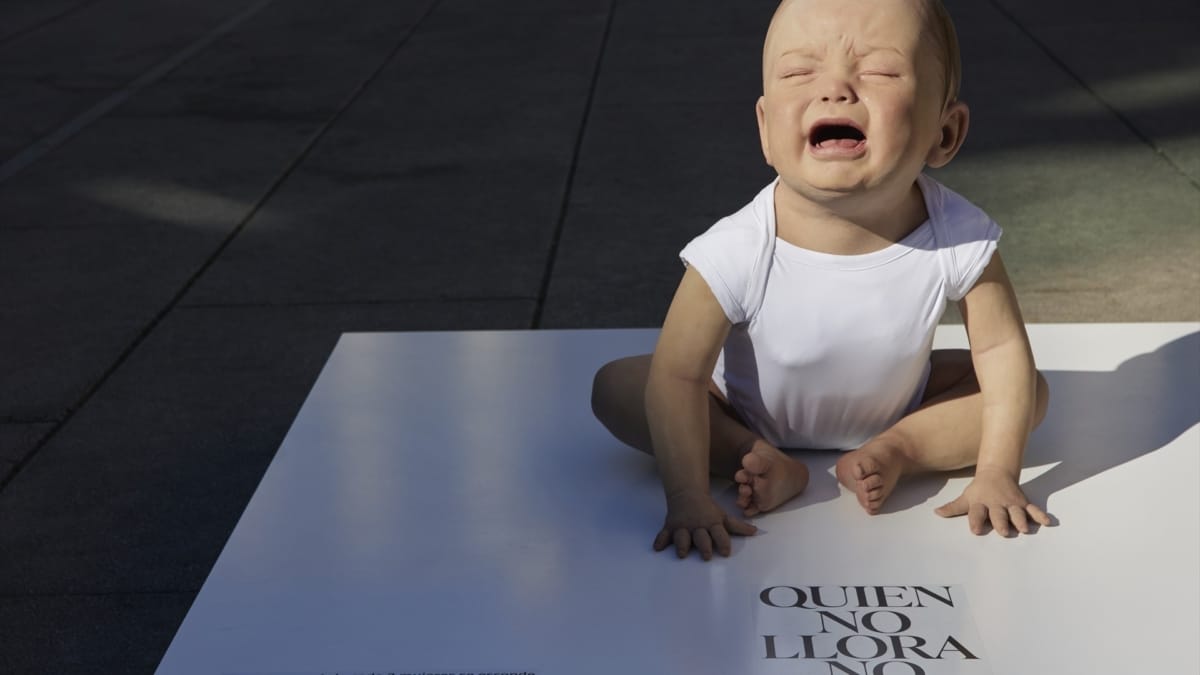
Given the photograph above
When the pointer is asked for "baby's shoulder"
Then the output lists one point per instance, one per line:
(955, 219)
(749, 226)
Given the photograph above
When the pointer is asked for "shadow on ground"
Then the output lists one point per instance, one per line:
(1084, 433)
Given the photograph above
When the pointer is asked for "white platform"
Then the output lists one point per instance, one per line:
(445, 503)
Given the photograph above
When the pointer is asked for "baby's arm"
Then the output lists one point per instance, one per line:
(1008, 382)
(677, 412)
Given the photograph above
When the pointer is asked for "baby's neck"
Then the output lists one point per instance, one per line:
(850, 227)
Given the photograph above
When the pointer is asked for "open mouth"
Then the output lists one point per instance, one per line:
(834, 134)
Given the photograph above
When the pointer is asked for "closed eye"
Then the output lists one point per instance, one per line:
(880, 73)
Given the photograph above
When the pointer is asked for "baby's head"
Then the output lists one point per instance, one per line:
(859, 94)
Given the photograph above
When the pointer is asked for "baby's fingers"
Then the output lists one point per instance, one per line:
(662, 540)
(1038, 514)
(977, 518)
(703, 543)
(1019, 519)
(998, 515)
(739, 527)
(953, 509)
(721, 540)
(683, 542)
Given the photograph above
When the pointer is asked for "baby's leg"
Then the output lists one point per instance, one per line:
(767, 477)
(941, 435)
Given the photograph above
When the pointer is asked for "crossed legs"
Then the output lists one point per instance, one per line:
(941, 435)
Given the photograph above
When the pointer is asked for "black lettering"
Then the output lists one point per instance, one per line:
(843, 647)
(883, 669)
(852, 624)
(881, 594)
(769, 642)
(945, 601)
(868, 620)
(860, 593)
(846, 669)
(798, 599)
(898, 646)
(958, 647)
(810, 650)
(815, 592)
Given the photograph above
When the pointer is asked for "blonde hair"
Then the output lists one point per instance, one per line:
(937, 18)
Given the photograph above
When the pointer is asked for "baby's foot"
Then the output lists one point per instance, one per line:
(872, 472)
(768, 478)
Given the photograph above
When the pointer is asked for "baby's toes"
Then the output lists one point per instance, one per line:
(872, 482)
(863, 490)
(755, 463)
(743, 477)
(865, 468)
(745, 496)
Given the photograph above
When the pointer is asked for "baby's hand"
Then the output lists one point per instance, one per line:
(694, 519)
(994, 495)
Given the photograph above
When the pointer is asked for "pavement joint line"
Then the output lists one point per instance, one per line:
(45, 22)
(340, 303)
(95, 594)
(212, 258)
(1128, 123)
(41, 147)
(552, 255)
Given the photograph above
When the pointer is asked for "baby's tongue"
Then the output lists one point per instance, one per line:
(839, 143)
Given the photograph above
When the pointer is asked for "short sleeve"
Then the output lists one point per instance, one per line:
(724, 257)
(966, 237)
(971, 257)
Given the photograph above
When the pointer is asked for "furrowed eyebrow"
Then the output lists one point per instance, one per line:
(807, 53)
(868, 50)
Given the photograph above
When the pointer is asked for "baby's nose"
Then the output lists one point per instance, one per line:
(837, 90)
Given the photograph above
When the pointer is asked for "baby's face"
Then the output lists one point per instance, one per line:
(852, 95)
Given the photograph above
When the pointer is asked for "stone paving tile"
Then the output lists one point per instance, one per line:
(21, 16)
(696, 69)
(50, 75)
(444, 180)
(73, 301)
(394, 236)
(649, 180)
(666, 157)
(293, 61)
(183, 173)
(88, 634)
(140, 489)
(1090, 212)
(684, 52)
(671, 18)
(1034, 12)
(1153, 84)
(108, 229)
(18, 439)
(603, 279)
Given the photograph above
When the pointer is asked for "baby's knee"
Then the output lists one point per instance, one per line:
(602, 386)
(623, 380)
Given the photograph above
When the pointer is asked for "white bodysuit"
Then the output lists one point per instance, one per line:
(826, 351)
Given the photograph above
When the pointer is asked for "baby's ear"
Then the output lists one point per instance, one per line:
(761, 112)
(955, 120)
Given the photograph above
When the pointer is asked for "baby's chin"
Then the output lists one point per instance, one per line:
(844, 182)
(826, 188)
